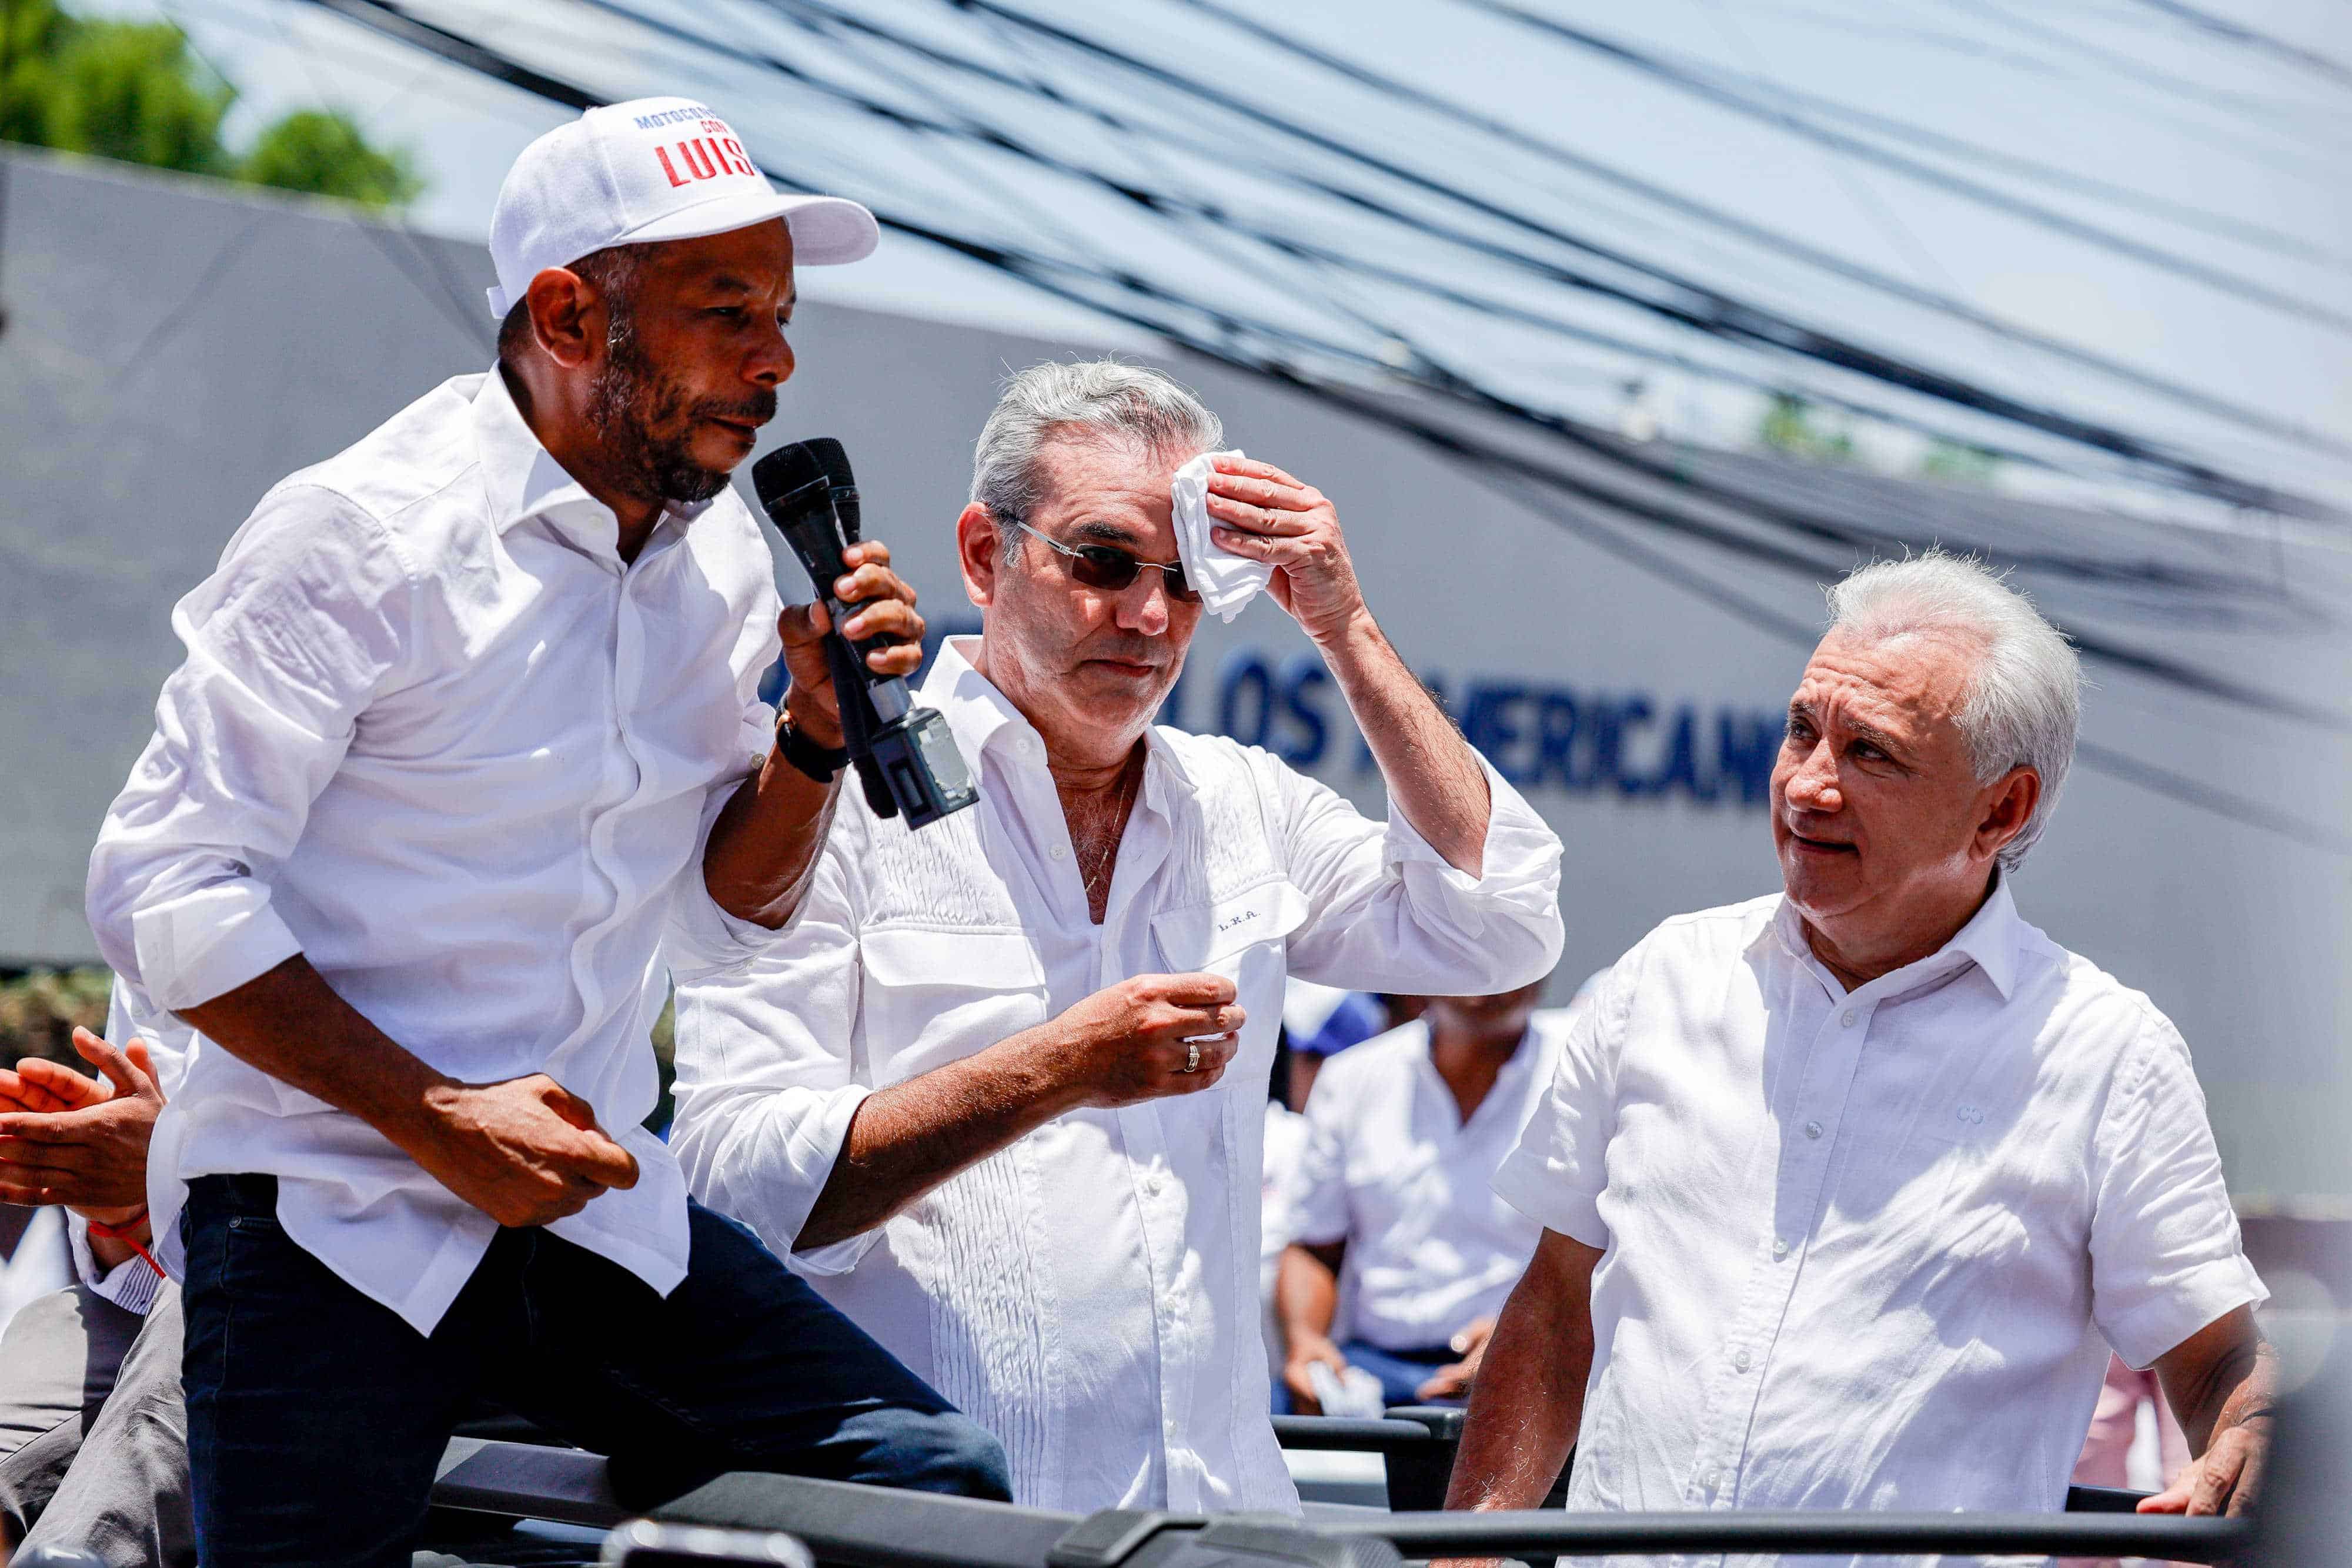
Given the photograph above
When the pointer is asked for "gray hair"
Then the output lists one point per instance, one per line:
(2024, 703)
(1099, 399)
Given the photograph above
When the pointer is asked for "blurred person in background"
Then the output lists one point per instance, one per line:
(1001, 1090)
(1321, 1021)
(1400, 1253)
(1847, 1190)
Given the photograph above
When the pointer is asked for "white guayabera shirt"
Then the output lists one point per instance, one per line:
(433, 735)
(1089, 1293)
(1869, 1250)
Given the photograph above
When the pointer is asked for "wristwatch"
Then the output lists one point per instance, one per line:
(821, 763)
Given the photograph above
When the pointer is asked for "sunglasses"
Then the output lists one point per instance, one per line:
(1101, 566)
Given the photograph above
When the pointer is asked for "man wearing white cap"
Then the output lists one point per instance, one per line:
(466, 753)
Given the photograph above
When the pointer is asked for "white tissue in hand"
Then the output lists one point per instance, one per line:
(1225, 582)
(1354, 1392)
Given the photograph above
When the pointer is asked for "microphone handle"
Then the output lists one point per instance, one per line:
(856, 724)
(815, 539)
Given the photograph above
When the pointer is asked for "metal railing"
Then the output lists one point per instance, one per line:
(868, 1527)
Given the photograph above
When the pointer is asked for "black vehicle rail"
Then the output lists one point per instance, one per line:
(868, 1527)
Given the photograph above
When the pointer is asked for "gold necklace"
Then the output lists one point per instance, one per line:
(1110, 840)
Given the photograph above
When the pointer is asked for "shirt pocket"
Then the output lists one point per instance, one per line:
(1962, 1198)
(1244, 938)
(935, 996)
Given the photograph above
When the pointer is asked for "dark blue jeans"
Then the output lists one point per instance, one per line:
(315, 1415)
(1401, 1372)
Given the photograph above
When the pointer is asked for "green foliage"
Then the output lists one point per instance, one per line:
(1950, 462)
(127, 90)
(133, 91)
(39, 1010)
(1788, 428)
(325, 152)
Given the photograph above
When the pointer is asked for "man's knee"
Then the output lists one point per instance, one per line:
(940, 1451)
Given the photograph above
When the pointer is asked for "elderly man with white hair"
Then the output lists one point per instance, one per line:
(1847, 1190)
(999, 1089)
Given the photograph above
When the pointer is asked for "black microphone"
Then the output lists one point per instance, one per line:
(904, 755)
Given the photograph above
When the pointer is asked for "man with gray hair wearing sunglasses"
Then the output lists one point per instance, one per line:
(999, 1092)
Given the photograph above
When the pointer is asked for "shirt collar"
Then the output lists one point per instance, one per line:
(1988, 940)
(523, 480)
(979, 715)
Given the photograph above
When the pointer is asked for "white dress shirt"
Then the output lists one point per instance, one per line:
(1861, 1249)
(1089, 1293)
(434, 734)
(1392, 1170)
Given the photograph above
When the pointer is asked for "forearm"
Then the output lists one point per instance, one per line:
(906, 1139)
(1306, 1296)
(1528, 1400)
(766, 841)
(1431, 773)
(2237, 1384)
(289, 1023)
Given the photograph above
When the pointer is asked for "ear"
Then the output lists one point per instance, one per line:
(2005, 806)
(567, 316)
(980, 552)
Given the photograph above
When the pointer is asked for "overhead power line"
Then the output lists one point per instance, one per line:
(1778, 242)
(1713, 90)
(1485, 458)
(2312, 60)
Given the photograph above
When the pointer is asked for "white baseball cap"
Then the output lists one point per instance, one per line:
(651, 168)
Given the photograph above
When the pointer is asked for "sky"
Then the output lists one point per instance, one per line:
(2112, 92)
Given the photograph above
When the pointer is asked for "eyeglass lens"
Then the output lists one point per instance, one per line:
(1099, 566)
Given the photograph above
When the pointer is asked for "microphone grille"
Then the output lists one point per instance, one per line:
(794, 466)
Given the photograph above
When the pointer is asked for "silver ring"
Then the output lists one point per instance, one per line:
(1192, 1056)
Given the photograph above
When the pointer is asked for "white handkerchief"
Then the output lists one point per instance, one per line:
(1225, 582)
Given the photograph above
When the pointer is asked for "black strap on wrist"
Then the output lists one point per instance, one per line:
(821, 763)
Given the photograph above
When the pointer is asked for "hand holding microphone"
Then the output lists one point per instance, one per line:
(882, 620)
(906, 758)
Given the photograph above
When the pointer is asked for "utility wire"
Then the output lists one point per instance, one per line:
(1713, 90)
(387, 17)
(2258, 110)
(1778, 241)
(2320, 64)
(1705, 309)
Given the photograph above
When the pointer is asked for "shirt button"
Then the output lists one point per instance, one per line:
(1740, 1361)
(1709, 1479)
(1812, 1129)
(1058, 853)
(1780, 1248)
(1848, 1019)
(1151, 1185)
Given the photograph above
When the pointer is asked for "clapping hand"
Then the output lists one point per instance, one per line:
(69, 1139)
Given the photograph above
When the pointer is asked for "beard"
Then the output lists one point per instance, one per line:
(647, 420)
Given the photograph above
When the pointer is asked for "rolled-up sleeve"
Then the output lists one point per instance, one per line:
(768, 1077)
(1388, 913)
(305, 621)
(2165, 1254)
(1559, 1169)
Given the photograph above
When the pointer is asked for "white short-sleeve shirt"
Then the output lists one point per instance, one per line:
(1393, 1170)
(1869, 1250)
